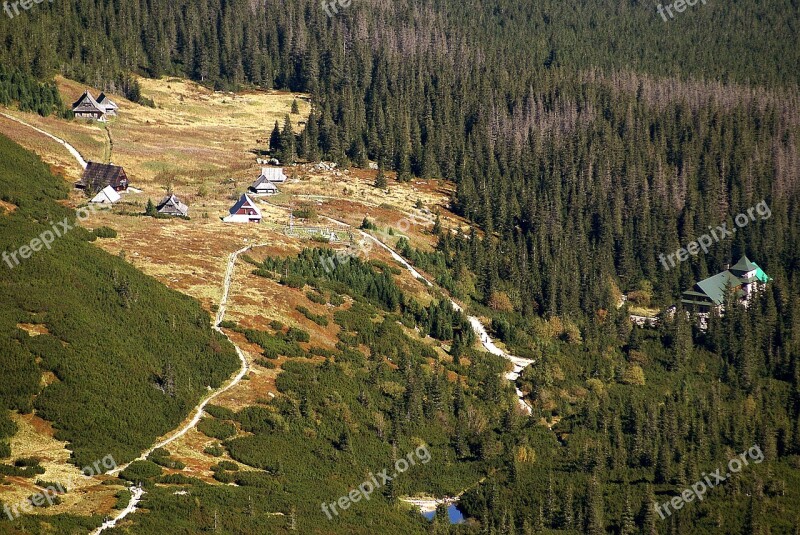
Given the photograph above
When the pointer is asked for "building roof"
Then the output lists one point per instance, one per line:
(99, 175)
(714, 288)
(86, 104)
(744, 265)
(244, 202)
(694, 294)
(262, 182)
(760, 275)
(172, 204)
(106, 195)
(273, 174)
(106, 102)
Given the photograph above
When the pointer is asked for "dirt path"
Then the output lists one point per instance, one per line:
(136, 496)
(138, 492)
(110, 147)
(479, 328)
(69, 147)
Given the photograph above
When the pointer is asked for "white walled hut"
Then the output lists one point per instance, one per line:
(244, 211)
(107, 195)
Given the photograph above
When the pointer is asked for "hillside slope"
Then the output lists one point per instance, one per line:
(123, 357)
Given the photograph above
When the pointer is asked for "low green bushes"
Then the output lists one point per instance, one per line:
(140, 470)
(318, 319)
(216, 428)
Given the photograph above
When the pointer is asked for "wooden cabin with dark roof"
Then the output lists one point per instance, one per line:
(171, 205)
(87, 107)
(99, 175)
(263, 186)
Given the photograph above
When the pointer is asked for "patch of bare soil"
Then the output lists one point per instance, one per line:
(33, 329)
(6, 207)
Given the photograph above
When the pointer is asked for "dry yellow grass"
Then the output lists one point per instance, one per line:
(33, 329)
(642, 310)
(200, 144)
(6, 207)
(85, 495)
(194, 135)
(189, 449)
(350, 196)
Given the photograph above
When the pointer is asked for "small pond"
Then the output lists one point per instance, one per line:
(453, 513)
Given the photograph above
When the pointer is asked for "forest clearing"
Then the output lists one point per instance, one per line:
(197, 253)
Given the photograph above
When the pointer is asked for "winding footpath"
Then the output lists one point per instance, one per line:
(136, 496)
(479, 328)
(137, 492)
(72, 150)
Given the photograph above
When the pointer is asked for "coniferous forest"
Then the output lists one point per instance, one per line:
(584, 140)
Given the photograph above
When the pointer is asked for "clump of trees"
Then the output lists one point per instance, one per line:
(20, 88)
(282, 142)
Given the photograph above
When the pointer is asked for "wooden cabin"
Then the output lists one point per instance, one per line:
(262, 186)
(87, 107)
(171, 205)
(244, 211)
(99, 175)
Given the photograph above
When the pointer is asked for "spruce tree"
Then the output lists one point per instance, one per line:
(288, 151)
(594, 505)
(275, 140)
(628, 525)
(380, 180)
